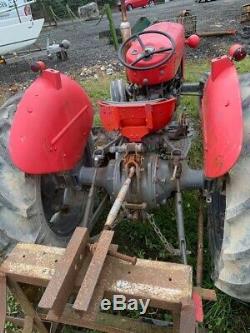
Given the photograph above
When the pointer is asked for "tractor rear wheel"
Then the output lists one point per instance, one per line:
(229, 217)
(33, 209)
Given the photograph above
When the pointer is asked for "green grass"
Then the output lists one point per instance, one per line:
(194, 70)
(98, 89)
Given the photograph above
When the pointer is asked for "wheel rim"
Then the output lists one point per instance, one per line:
(62, 217)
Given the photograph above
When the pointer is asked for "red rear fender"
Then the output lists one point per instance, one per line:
(221, 118)
(51, 126)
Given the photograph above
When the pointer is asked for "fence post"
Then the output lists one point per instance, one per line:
(112, 26)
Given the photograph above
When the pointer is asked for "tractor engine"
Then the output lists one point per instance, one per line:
(152, 139)
(154, 68)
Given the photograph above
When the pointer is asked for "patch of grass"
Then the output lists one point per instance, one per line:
(228, 315)
(98, 89)
(244, 66)
(15, 310)
(194, 70)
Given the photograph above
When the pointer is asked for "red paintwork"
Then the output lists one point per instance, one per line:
(221, 118)
(136, 3)
(38, 66)
(51, 126)
(237, 52)
(136, 119)
(167, 71)
(193, 41)
(199, 313)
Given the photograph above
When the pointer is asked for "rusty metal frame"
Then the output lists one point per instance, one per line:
(59, 287)
(92, 275)
(168, 285)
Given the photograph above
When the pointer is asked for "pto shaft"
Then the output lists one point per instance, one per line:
(119, 200)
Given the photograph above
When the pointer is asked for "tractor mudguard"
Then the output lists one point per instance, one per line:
(51, 125)
(222, 119)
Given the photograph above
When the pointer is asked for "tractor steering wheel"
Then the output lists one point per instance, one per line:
(148, 51)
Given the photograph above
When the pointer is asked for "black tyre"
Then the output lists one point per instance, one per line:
(229, 217)
(33, 208)
(216, 218)
(129, 7)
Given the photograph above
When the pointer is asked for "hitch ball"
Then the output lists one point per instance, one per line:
(65, 44)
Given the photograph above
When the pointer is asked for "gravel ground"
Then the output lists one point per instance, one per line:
(87, 49)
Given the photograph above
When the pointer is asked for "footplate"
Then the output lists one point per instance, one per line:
(79, 277)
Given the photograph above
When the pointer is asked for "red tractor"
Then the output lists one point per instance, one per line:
(50, 167)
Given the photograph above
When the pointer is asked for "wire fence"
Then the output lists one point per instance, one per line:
(56, 10)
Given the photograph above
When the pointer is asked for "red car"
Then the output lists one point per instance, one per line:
(132, 4)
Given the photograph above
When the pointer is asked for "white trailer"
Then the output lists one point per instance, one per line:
(17, 27)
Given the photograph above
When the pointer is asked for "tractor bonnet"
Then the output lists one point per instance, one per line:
(155, 41)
